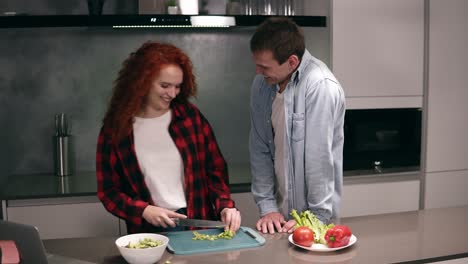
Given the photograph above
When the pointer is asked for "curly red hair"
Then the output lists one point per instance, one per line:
(135, 79)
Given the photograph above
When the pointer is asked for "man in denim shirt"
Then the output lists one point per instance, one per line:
(296, 138)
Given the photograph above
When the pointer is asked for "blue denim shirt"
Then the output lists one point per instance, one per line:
(314, 105)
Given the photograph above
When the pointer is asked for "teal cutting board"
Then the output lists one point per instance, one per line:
(181, 242)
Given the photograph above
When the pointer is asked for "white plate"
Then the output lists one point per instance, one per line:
(323, 248)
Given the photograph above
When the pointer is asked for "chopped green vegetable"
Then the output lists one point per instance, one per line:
(227, 234)
(308, 219)
(145, 243)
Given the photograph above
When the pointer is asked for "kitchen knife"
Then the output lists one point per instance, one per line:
(199, 223)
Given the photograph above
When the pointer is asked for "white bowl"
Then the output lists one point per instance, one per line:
(141, 255)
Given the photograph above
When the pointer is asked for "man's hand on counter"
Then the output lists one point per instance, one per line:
(271, 223)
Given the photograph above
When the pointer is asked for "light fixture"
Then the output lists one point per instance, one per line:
(212, 21)
(193, 22)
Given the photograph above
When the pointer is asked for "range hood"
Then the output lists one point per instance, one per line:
(148, 21)
(184, 21)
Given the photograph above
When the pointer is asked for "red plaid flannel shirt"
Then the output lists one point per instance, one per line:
(121, 186)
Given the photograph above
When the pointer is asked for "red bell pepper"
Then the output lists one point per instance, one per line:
(338, 236)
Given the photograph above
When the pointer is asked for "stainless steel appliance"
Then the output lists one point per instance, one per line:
(382, 140)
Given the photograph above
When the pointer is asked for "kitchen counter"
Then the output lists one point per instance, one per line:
(411, 237)
(83, 183)
(48, 185)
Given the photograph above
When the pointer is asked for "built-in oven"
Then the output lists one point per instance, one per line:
(381, 141)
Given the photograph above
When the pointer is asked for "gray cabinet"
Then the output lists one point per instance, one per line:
(64, 217)
(378, 56)
(388, 195)
(446, 189)
(378, 52)
(447, 144)
(447, 121)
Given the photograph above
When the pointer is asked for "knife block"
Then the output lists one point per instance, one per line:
(63, 155)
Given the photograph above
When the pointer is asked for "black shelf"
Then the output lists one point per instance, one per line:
(137, 21)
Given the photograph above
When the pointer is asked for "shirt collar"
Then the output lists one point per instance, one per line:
(297, 74)
(178, 111)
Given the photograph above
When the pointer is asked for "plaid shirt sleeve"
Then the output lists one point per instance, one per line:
(113, 187)
(206, 175)
(216, 170)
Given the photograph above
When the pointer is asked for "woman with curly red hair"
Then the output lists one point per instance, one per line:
(157, 156)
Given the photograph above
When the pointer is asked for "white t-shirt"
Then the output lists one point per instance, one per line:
(160, 161)
(278, 123)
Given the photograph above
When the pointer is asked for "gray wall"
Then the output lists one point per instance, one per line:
(45, 71)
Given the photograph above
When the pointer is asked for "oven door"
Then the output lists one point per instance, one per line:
(387, 138)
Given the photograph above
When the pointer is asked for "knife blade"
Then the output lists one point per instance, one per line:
(199, 223)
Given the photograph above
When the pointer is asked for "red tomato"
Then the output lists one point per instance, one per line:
(303, 236)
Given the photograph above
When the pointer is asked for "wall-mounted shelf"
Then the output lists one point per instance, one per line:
(145, 21)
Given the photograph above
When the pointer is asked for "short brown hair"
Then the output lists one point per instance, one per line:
(281, 36)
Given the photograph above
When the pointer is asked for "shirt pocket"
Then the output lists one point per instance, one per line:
(298, 123)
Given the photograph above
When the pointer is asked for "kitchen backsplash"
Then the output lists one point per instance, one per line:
(70, 70)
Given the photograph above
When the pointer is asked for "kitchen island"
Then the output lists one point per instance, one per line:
(411, 237)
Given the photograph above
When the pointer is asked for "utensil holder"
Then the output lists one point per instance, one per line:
(63, 155)
(63, 184)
